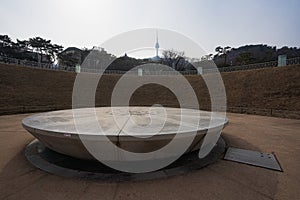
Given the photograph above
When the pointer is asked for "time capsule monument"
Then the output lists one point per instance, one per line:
(134, 139)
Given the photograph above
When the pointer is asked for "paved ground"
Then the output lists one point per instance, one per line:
(222, 180)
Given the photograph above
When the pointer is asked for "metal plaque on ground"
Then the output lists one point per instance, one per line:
(266, 160)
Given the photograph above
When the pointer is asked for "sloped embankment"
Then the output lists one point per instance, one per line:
(274, 91)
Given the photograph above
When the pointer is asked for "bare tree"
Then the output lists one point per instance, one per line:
(174, 59)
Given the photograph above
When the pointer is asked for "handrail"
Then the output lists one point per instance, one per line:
(8, 60)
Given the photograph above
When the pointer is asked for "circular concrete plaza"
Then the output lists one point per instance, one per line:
(220, 180)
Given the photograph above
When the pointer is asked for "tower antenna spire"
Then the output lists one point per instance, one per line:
(156, 44)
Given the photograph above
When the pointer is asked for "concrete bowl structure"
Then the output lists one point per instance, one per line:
(134, 129)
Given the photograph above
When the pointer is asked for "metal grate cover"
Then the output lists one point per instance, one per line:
(266, 160)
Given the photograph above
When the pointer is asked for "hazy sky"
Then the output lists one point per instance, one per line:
(87, 23)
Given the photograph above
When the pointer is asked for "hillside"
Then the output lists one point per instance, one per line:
(264, 91)
(250, 54)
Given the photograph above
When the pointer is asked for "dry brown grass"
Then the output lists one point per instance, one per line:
(26, 89)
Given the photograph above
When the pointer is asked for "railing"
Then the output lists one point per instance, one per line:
(135, 72)
(250, 66)
(291, 61)
(34, 64)
(7, 60)
(28, 63)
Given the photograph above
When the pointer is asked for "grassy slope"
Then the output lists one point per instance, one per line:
(276, 88)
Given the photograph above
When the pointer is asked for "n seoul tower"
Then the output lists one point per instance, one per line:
(157, 45)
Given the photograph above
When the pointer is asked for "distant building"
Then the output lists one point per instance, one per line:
(72, 56)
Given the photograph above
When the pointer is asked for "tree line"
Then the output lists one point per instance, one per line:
(34, 49)
(250, 54)
(43, 50)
